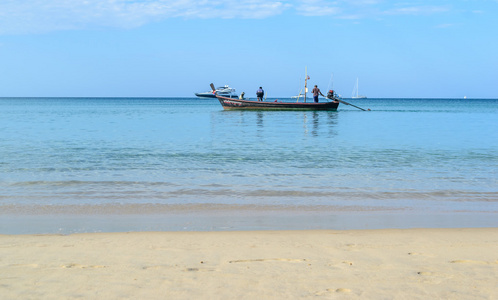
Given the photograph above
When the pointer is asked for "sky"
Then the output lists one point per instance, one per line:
(174, 48)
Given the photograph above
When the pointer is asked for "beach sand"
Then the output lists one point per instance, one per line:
(350, 264)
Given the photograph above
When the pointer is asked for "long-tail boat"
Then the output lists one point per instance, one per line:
(248, 104)
(231, 103)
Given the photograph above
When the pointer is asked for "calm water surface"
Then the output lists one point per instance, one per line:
(132, 156)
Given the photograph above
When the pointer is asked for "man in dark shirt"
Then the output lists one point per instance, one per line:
(315, 92)
(260, 93)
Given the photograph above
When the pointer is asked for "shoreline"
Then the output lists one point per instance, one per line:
(346, 264)
(239, 220)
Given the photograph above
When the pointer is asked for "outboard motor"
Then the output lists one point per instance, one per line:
(330, 95)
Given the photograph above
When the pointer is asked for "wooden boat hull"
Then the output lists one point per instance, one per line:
(230, 103)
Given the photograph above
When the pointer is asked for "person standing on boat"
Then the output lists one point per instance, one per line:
(260, 93)
(241, 97)
(316, 91)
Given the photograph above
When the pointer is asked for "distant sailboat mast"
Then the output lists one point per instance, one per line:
(357, 87)
(356, 91)
(331, 82)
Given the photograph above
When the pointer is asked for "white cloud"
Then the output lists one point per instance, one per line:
(248, 9)
(340, 9)
(38, 16)
(317, 8)
(28, 16)
(358, 9)
(417, 10)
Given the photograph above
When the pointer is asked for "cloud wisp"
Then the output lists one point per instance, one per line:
(36, 16)
(39, 16)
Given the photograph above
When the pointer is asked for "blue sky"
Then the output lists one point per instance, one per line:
(159, 48)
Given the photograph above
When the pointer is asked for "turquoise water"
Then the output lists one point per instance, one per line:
(91, 157)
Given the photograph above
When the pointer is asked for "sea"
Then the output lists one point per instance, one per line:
(72, 165)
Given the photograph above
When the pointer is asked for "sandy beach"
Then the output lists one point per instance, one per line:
(350, 264)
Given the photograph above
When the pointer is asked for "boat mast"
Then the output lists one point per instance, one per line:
(357, 88)
(305, 83)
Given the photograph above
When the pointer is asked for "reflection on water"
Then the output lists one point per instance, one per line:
(328, 120)
(260, 115)
(314, 123)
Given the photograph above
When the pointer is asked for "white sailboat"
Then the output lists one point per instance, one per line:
(300, 94)
(356, 94)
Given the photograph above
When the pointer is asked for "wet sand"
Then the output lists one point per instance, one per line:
(350, 264)
(126, 218)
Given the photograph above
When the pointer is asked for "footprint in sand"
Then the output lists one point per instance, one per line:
(155, 267)
(434, 277)
(339, 291)
(420, 254)
(351, 247)
(475, 262)
(78, 266)
(267, 259)
(200, 270)
(425, 273)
